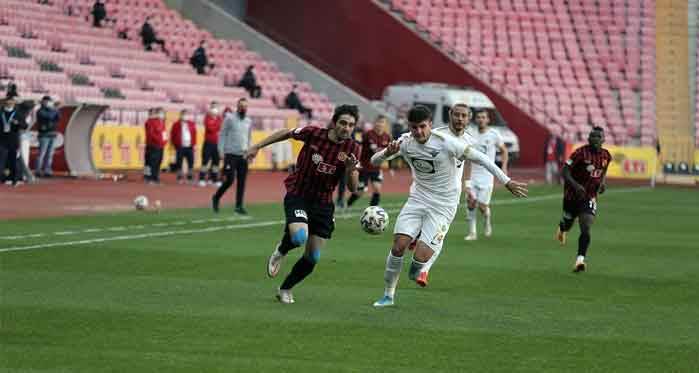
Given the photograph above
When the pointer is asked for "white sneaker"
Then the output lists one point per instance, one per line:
(471, 237)
(202, 183)
(385, 301)
(488, 231)
(285, 296)
(274, 262)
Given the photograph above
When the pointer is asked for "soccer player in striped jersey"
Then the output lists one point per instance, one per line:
(327, 153)
(584, 174)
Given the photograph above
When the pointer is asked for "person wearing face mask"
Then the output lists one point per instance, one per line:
(47, 118)
(156, 139)
(184, 137)
(209, 152)
(10, 128)
(234, 141)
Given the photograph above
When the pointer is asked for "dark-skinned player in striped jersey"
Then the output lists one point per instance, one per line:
(585, 175)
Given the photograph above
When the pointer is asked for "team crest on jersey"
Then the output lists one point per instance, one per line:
(425, 166)
(316, 158)
(342, 156)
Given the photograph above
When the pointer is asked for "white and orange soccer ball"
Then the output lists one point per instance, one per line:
(374, 220)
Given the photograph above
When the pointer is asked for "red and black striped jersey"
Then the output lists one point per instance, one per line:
(372, 142)
(319, 165)
(587, 167)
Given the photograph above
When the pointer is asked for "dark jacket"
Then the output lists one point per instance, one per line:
(47, 121)
(147, 33)
(199, 59)
(16, 122)
(99, 11)
(248, 80)
(293, 101)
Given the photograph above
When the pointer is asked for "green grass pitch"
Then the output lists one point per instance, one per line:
(132, 293)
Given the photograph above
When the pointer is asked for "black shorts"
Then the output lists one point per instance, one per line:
(369, 176)
(318, 215)
(574, 208)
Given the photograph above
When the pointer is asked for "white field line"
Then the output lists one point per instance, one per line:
(262, 224)
(123, 228)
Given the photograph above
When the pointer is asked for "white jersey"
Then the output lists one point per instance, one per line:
(488, 143)
(436, 179)
(466, 136)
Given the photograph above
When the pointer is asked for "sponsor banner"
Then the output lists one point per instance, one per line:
(629, 162)
(117, 147)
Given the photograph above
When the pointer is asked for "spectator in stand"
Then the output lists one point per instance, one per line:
(47, 127)
(149, 36)
(554, 151)
(10, 127)
(156, 139)
(184, 136)
(123, 33)
(11, 90)
(99, 13)
(233, 143)
(209, 152)
(293, 101)
(249, 82)
(199, 60)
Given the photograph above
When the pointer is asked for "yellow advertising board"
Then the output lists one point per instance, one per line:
(629, 162)
(123, 148)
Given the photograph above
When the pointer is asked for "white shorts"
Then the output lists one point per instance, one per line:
(482, 192)
(431, 222)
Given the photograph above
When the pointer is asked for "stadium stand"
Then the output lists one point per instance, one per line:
(550, 58)
(53, 49)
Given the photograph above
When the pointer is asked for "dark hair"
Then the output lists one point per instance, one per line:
(419, 113)
(482, 111)
(242, 99)
(352, 110)
(597, 128)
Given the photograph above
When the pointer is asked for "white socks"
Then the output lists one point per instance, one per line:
(471, 217)
(580, 258)
(394, 264)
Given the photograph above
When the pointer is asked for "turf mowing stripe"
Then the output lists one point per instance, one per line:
(122, 228)
(261, 224)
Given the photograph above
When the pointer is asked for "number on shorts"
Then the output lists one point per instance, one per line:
(593, 206)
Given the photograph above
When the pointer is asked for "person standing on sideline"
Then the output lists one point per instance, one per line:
(184, 137)
(156, 139)
(233, 143)
(47, 125)
(553, 158)
(10, 127)
(209, 152)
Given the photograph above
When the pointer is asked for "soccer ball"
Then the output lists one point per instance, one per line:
(374, 220)
(140, 202)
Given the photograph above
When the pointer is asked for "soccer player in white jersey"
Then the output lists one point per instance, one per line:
(459, 117)
(434, 193)
(479, 187)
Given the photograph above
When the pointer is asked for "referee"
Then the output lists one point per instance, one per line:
(233, 142)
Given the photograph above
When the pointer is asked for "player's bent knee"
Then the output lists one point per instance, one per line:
(299, 237)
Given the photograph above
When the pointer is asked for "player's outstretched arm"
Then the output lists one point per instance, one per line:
(386, 154)
(352, 165)
(517, 188)
(278, 136)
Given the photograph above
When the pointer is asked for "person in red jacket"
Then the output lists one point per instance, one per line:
(184, 136)
(209, 152)
(156, 138)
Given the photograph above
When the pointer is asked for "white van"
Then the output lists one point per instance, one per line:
(440, 98)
